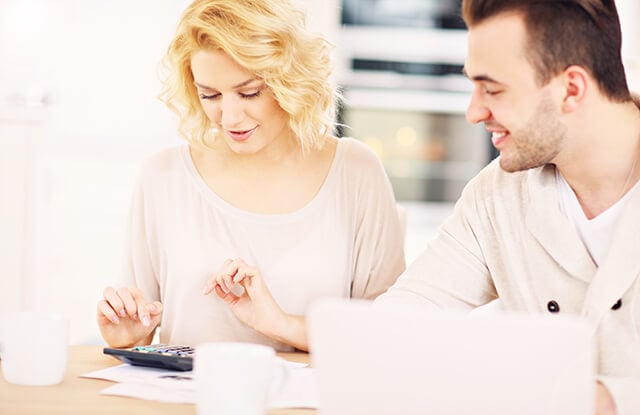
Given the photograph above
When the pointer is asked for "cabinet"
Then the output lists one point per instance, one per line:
(20, 129)
(428, 149)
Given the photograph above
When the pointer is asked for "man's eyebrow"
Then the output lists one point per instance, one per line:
(480, 78)
(240, 85)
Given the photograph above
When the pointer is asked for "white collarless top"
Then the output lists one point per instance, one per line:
(595, 233)
(346, 242)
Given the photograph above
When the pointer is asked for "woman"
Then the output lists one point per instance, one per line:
(233, 235)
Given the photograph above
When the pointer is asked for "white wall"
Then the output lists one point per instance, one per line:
(17, 132)
(629, 17)
(94, 63)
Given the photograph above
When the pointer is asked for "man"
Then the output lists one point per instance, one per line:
(553, 224)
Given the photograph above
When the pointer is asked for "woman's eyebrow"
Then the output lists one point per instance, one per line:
(240, 85)
(199, 85)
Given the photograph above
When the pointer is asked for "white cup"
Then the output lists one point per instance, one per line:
(233, 378)
(34, 348)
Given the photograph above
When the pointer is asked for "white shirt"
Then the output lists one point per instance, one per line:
(595, 233)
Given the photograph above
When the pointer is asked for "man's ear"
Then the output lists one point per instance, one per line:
(576, 83)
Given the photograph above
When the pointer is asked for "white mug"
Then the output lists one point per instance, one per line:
(233, 378)
(34, 348)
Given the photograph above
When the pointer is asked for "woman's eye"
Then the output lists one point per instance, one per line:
(490, 92)
(251, 95)
(212, 96)
(244, 95)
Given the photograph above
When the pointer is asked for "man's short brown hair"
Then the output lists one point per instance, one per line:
(562, 33)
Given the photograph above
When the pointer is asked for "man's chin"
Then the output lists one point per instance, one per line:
(513, 166)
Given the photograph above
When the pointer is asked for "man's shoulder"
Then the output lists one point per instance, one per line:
(492, 180)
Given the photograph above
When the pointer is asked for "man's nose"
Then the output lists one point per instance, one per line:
(477, 111)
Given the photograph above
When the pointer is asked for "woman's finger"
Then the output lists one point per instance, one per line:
(107, 311)
(111, 296)
(130, 306)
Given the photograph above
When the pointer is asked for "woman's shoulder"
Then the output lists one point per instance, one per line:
(358, 166)
(163, 162)
(358, 154)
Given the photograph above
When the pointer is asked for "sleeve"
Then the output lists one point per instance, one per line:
(379, 232)
(451, 272)
(619, 349)
(138, 266)
(625, 393)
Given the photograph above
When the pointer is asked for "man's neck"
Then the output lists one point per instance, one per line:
(602, 166)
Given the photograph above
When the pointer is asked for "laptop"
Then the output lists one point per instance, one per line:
(391, 359)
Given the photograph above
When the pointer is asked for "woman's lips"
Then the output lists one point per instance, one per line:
(240, 136)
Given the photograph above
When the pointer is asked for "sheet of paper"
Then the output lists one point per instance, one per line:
(136, 374)
(299, 389)
(150, 392)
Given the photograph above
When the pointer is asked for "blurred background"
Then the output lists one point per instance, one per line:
(79, 113)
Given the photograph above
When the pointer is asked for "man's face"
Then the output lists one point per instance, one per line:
(523, 117)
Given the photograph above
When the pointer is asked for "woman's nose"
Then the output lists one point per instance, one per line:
(231, 112)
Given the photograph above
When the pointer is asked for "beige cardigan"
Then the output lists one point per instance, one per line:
(507, 238)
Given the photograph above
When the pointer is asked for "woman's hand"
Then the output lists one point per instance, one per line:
(250, 300)
(125, 318)
(241, 286)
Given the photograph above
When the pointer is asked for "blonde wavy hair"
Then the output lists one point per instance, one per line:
(269, 39)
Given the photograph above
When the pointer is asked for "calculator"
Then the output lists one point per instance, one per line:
(163, 356)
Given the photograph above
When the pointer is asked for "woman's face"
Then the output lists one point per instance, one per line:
(240, 105)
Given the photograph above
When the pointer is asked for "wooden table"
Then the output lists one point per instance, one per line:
(77, 395)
